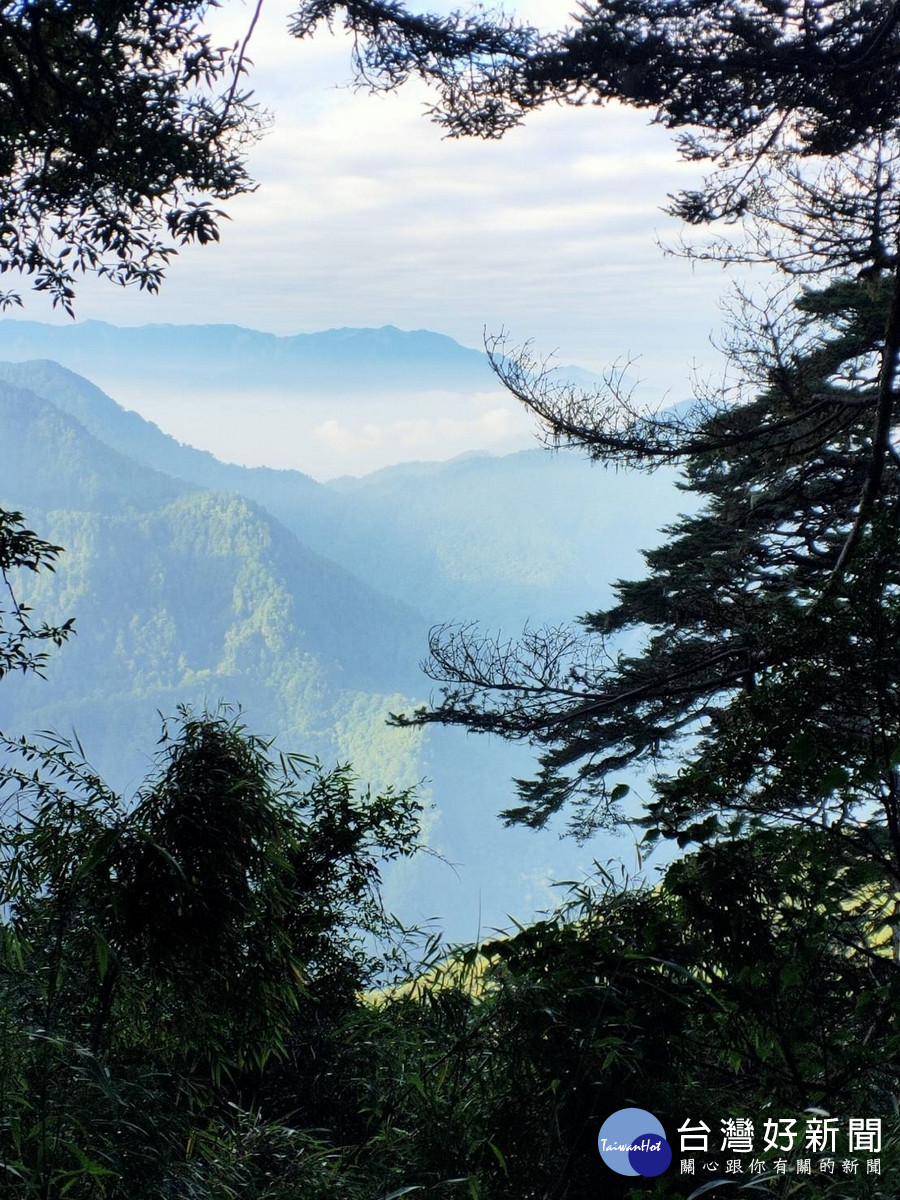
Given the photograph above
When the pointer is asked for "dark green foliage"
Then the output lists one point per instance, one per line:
(153, 953)
(768, 669)
(769, 618)
(750, 83)
(735, 66)
(20, 641)
(496, 1072)
(120, 123)
(181, 1007)
(180, 979)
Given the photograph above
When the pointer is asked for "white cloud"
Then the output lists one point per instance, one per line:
(347, 448)
(346, 442)
(366, 216)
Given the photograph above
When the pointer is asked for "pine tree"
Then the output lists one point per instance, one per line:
(767, 686)
(764, 690)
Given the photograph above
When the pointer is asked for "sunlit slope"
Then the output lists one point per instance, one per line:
(189, 595)
(195, 580)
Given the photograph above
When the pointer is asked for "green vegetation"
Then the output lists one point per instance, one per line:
(156, 959)
(503, 537)
(21, 648)
(746, 81)
(199, 993)
(765, 678)
(183, 1014)
(120, 126)
(187, 1004)
(193, 999)
(189, 588)
(184, 595)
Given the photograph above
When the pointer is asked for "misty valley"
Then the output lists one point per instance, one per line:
(306, 605)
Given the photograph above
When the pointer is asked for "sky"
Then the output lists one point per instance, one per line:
(365, 215)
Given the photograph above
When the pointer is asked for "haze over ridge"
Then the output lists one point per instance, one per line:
(239, 584)
(338, 402)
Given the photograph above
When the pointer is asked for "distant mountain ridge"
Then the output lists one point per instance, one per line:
(188, 595)
(60, 473)
(346, 359)
(526, 536)
(326, 403)
(194, 580)
(136, 437)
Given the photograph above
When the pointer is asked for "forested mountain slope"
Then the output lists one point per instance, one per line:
(184, 594)
(195, 581)
(533, 536)
(526, 536)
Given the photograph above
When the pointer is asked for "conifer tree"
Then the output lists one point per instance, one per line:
(766, 688)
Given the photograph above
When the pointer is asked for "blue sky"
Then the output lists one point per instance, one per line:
(366, 216)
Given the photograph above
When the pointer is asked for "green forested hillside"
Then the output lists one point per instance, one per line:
(528, 536)
(182, 594)
(51, 459)
(282, 492)
(533, 536)
(183, 1012)
(202, 993)
(197, 594)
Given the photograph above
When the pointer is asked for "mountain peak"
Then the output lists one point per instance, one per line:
(237, 357)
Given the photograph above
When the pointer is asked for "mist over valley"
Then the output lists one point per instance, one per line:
(307, 604)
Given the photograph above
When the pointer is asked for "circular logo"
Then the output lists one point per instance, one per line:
(633, 1142)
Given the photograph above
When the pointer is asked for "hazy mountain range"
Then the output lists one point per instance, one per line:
(360, 360)
(368, 361)
(329, 403)
(195, 581)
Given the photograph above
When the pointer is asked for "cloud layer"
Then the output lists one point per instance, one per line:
(366, 216)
